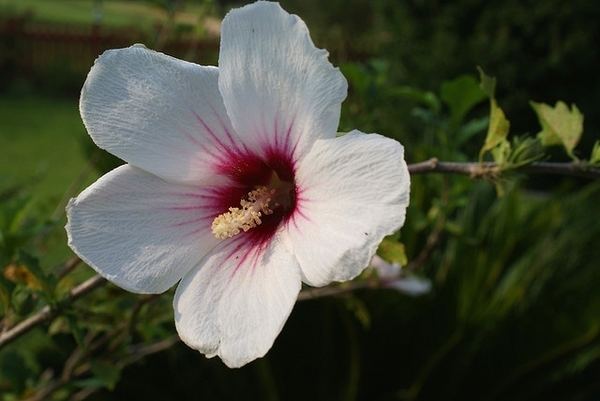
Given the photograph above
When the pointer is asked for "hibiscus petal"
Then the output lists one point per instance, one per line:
(354, 190)
(158, 113)
(139, 231)
(236, 302)
(279, 90)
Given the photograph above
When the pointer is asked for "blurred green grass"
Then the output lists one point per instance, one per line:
(41, 145)
(115, 13)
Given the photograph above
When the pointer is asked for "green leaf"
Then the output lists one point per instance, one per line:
(22, 300)
(357, 76)
(487, 83)
(393, 252)
(20, 215)
(425, 98)
(526, 150)
(595, 156)
(501, 152)
(461, 95)
(75, 328)
(560, 125)
(15, 371)
(34, 276)
(499, 125)
(497, 130)
(471, 128)
(106, 373)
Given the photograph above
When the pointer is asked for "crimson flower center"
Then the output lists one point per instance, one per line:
(263, 195)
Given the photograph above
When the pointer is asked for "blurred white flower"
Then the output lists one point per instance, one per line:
(392, 276)
(235, 184)
(410, 285)
(384, 269)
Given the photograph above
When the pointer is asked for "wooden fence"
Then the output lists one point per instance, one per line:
(31, 49)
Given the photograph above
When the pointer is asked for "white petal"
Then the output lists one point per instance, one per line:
(354, 191)
(279, 89)
(236, 302)
(158, 113)
(138, 231)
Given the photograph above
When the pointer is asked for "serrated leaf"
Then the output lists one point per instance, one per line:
(595, 155)
(461, 95)
(560, 125)
(393, 252)
(497, 130)
(501, 152)
(499, 125)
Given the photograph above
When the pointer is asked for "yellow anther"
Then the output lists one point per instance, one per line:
(237, 219)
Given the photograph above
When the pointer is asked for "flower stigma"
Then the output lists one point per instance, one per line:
(231, 223)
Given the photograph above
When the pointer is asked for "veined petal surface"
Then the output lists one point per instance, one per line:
(355, 191)
(234, 304)
(158, 113)
(138, 231)
(279, 89)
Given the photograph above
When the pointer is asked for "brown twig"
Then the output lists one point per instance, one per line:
(69, 266)
(433, 165)
(47, 313)
(134, 354)
(434, 236)
(489, 169)
(336, 289)
(140, 351)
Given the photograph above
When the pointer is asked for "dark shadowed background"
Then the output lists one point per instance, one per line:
(514, 308)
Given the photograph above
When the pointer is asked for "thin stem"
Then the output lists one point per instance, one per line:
(47, 313)
(69, 266)
(337, 289)
(490, 169)
(433, 165)
(134, 354)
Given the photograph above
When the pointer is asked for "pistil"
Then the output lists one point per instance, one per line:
(237, 219)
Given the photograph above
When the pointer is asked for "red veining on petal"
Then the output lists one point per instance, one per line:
(195, 220)
(275, 132)
(245, 170)
(228, 149)
(228, 133)
(237, 245)
(288, 136)
(210, 151)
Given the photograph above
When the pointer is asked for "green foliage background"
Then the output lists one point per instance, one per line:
(514, 310)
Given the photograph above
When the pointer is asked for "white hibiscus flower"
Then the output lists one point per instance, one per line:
(235, 184)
